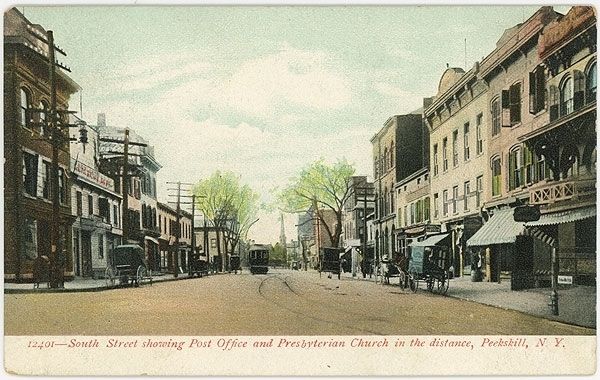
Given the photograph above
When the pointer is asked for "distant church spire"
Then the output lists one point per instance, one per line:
(282, 239)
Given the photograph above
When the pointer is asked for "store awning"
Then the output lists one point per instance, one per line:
(151, 239)
(430, 241)
(500, 229)
(564, 216)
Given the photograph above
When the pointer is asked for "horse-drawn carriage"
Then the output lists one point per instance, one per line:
(235, 264)
(127, 264)
(198, 265)
(430, 262)
(330, 261)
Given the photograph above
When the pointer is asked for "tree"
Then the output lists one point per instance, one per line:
(278, 255)
(231, 206)
(320, 186)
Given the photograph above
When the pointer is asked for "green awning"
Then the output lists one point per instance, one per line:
(500, 229)
(567, 216)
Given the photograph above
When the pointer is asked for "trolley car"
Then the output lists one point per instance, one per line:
(258, 258)
(127, 264)
(429, 262)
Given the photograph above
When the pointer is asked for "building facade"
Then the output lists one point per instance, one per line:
(28, 195)
(397, 152)
(96, 208)
(458, 123)
(167, 225)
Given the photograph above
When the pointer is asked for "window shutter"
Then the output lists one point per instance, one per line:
(505, 108)
(540, 92)
(532, 93)
(515, 103)
(553, 102)
(579, 87)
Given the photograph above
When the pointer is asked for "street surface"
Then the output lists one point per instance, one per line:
(282, 302)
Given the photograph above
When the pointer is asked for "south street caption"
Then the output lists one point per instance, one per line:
(229, 344)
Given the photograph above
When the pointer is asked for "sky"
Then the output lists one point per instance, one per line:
(264, 91)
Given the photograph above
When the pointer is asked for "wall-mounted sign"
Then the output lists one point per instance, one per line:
(565, 280)
(93, 175)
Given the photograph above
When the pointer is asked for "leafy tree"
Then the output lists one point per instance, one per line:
(320, 186)
(231, 206)
(278, 255)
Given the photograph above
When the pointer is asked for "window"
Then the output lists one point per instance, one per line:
(426, 209)
(100, 246)
(385, 160)
(406, 215)
(46, 178)
(566, 97)
(62, 186)
(541, 171)
(455, 148)
(515, 172)
(25, 113)
(90, 205)
(136, 188)
(466, 142)
(445, 154)
(479, 191)
(578, 89)
(115, 215)
(467, 190)
(445, 202)
(590, 85)
(79, 200)
(435, 159)
(413, 212)
(537, 90)
(511, 105)
(528, 166)
(29, 239)
(30, 170)
(553, 102)
(436, 209)
(479, 134)
(44, 107)
(496, 122)
(391, 200)
(392, 155)
(104, 209)
(454, 199)
(496, 176)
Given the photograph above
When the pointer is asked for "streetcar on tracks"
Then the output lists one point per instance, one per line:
(127, 265)
(258, 258)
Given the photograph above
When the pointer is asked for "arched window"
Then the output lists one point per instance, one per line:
(496, 121)
(566, 97)
(569, 161)
(25, 105)
(392, 155)
(590, 85)
(515, 168)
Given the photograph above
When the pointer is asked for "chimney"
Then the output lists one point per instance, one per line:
(101, 120)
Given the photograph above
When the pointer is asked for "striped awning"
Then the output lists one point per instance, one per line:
(430, 241)
(567, 216)
(500, 229)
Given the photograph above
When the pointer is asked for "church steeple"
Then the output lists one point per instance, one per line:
(282, 239)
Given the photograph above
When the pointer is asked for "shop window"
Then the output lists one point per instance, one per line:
(30, 173)
(590, 85)
(496, 176)
(29, 239)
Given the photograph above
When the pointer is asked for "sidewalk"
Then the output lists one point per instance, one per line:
(80, 284)
(577, 304)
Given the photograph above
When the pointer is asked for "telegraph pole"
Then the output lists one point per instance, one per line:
(125, 186)
(178, 221)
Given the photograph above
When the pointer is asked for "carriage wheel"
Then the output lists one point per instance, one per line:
(109, 277)
(444, 283)
(413, 282)
(139, 276)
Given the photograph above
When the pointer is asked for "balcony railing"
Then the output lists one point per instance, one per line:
(561, 191)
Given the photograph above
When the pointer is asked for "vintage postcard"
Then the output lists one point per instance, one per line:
(299, 190)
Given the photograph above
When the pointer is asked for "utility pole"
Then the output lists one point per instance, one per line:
(178, 222)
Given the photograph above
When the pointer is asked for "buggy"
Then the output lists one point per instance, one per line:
(127, 264)
(198, 266)
(429, 262)
(329, 261)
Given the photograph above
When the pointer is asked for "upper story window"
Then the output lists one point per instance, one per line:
(90, 204)
(62, 186)
(478, 190)
(496, 176)
(445, 202)
(566, 97)
(590, 85)
(79, 200)
(25, 100)
(496, 124)
(43, 106)
(435, 159)
(479, 132)
(392, 155)
(515, 169)
(385, 160)
(445, 154)
(511, 105)
(467, 152)
(46, 179)
(537, 90)
(455, 148)
(454, 199)
(30, 173)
